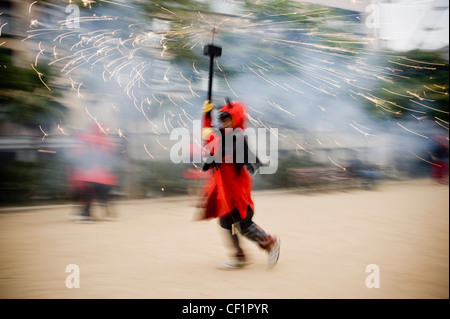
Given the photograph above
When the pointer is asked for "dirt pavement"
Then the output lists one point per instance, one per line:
(156, 251)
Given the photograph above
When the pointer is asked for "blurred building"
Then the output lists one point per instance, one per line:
(401, 25)
(17, 142)
(393, 25)
(407, 25)
(13, 30)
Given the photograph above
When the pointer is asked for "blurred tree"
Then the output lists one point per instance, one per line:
(191, 21)
(418, 86)
(27, 97)
(180, 15)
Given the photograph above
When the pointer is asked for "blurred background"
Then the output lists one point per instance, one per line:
(338, 79)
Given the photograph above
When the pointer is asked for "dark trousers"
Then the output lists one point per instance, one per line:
(235, 220)
(94, 191)
(233, 223)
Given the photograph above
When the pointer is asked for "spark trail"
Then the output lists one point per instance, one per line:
(289, 53)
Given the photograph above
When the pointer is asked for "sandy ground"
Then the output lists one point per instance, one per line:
(156, 251)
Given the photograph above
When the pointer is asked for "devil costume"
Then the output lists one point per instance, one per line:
(227, 194)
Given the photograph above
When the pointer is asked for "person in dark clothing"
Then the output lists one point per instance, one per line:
(363, 171)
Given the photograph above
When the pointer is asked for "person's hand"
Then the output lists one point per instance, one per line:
(207, 132)
(207, 107)
(253, 168)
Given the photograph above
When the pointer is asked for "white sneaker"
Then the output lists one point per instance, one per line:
(274, 253)
(76, 217)
(233, 264)
(84, 220)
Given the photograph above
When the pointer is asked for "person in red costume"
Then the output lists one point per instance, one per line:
(227, 194)
(92, 172)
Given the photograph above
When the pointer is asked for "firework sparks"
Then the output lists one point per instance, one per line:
(296, 58)
(410, 131)
(336, 164)
(40, 75)
(45, 134)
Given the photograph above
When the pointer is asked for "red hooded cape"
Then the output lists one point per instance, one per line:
(229, 187)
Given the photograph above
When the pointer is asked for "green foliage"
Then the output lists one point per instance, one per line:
(24, 98)
(17, 181)
(174, 9)
(418, 86)
(82, 4)
(26, 182)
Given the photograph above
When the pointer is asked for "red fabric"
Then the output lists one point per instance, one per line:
(93, 148)
(439, 171)
(237, 112)
(227, 188)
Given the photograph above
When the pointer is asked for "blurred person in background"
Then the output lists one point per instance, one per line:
(362, 170)
(92, 174)
(439, 159)
(227, 194)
